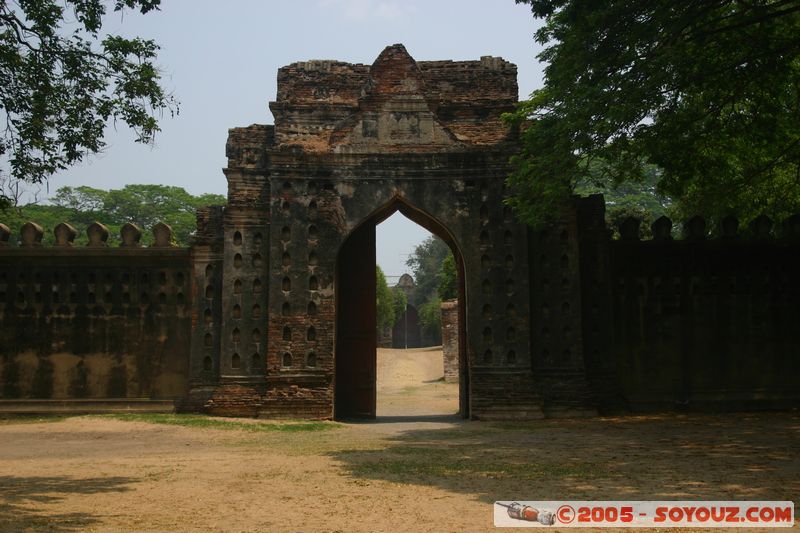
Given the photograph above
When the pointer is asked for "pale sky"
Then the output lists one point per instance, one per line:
(221, 60)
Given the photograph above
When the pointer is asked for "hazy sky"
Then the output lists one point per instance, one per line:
(220, 58)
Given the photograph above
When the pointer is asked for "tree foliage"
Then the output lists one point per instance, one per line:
(143, 205)
(448, 278)
(62, 80)
(384, 301)
(399, 303)
(436, 279)
(640, 199)
(708, 92)
(425, 263)
(430, 317)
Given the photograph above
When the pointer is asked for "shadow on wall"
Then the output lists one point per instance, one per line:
(23, 500)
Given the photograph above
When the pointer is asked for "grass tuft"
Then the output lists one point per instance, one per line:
(410, 463)
(200, 421)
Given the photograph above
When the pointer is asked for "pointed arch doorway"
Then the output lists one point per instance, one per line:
(355, 361)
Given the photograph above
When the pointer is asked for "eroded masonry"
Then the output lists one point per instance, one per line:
(271, 312)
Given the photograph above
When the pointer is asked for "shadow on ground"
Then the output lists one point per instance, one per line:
(21, 500)
(669, 457)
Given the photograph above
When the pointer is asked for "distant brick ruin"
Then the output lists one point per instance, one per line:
(271, 312)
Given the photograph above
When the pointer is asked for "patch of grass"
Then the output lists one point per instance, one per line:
(410, 463)
(464, 432)
(32, 419)
(200, 421)
(533, 425)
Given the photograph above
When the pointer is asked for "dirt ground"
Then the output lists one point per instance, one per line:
(417, 468)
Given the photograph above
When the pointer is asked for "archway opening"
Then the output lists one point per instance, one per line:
(396, 371)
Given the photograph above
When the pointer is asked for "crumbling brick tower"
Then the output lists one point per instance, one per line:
(285, 292)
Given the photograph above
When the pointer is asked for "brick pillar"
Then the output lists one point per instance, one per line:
(556, 313)
(204, 358)
(450, 340)
(597, 311)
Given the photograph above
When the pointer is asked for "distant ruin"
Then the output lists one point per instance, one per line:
(271, 312)
(408, 332)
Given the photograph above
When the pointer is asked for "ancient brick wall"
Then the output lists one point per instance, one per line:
(93, 322)
(271, 312)
(558, 351)
(450, 340)
(700, 322)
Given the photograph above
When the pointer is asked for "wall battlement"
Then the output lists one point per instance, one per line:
(702, 322)
(31, 234)
(93, 322)
(761, 229)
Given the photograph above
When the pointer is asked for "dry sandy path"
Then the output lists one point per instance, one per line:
(435, 473)
(410, 384)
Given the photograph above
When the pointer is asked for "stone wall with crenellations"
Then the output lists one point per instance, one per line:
(704, 321)
(92, 322)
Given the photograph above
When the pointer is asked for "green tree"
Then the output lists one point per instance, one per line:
(80, 199)
(83, 204)
(708, 92)
(448, 278)
(48, 216)
(436, 278)
(399, 303)
(425, 262)
(639, 199)
(430, 317)
(143, 205)
(61, 80)
(384, 301)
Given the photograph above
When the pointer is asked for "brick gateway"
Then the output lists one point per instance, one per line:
(352, 144)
